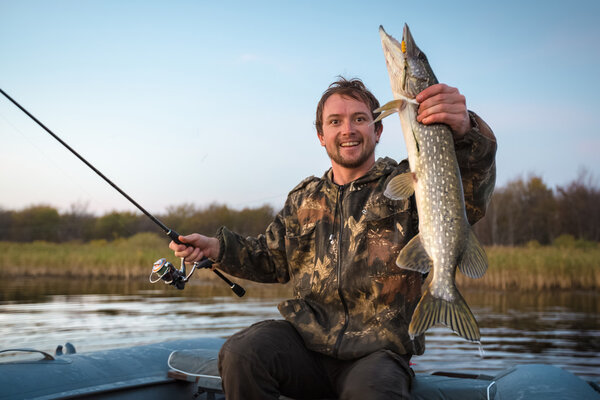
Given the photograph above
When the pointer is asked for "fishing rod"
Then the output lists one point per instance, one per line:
(166, 271)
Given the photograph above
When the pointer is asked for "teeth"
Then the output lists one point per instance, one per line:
(349, 144)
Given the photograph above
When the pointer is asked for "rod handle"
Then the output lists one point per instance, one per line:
(175, 237)
(207, 263)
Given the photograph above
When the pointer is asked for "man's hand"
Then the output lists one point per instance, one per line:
(200, 247)
(444, 104)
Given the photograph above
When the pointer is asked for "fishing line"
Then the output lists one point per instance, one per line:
(49, 159)
(181, 279)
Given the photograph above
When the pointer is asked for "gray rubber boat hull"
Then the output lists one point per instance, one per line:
(184, 368)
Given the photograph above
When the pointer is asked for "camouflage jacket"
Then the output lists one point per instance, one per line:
(338, 246)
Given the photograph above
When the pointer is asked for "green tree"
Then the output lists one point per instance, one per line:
(39, 222)
(115, 225)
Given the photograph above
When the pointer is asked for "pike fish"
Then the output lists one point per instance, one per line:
(445, 241)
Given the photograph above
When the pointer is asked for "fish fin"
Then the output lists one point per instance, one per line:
(474, 261)
(393, 105)
(455, 314)
(384, 114)
(397, 104)
(388, 109)
(414, 257)
(401, 186)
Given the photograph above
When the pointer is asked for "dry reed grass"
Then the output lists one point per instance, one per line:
(525, 268)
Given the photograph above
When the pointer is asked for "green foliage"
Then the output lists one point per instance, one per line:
(45, 223)
(566, 241)
(35, 223)
(114, 225)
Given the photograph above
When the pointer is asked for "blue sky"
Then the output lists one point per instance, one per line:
(199, 102)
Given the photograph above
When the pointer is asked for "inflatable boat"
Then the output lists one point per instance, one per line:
(187, 369)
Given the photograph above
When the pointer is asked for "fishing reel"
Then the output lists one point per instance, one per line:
(165, 271)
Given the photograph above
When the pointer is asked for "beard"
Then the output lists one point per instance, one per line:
(346, 162)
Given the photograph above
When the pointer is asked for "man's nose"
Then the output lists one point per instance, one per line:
(347, 126)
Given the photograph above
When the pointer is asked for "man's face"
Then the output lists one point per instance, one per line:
(348, 135)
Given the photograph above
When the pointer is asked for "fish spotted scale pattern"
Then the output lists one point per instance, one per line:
(445, 241)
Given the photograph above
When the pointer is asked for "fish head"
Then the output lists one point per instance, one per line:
(407, 65)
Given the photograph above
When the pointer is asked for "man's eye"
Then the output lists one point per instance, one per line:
(334, 121)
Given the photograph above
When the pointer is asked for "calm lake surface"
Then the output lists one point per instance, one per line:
(560, 328)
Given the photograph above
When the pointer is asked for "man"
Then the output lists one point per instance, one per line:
(345, 334)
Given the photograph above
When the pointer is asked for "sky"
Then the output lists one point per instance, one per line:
(198, 102)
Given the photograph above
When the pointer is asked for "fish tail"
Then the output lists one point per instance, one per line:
(454, 314)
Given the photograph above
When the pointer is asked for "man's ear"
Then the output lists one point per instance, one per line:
(378, 132)
(321, 138)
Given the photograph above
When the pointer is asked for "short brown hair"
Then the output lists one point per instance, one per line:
(353, 88)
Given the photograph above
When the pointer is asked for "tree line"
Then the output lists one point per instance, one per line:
(43, 222)
(527, 211)
(523, 211)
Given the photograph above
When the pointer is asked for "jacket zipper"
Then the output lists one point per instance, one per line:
(340, 207)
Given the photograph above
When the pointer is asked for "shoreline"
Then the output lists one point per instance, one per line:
(523, 268)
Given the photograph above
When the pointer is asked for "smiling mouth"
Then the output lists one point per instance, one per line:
(349, 144)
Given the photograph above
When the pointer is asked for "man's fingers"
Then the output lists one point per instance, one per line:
(432, 90)
(441, 109)
(191, 257)
(454, 99)
(177, 246)
(442, 118)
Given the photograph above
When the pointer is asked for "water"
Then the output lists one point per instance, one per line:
(560, 328)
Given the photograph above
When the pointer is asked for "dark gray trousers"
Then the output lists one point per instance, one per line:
(270, 359)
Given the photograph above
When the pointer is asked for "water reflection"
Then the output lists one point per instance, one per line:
(561, 328)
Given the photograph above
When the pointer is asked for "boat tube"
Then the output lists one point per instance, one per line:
(187, 369)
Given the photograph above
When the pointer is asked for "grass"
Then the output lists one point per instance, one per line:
(122, 258)
(525, 268)
(539, 267)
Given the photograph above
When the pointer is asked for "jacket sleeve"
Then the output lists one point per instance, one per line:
(476, 155)
(260, 259)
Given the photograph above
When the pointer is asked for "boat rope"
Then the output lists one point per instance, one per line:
(488, 391)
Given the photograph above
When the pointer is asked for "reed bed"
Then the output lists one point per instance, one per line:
(525, 268)
(122, 258)
(537, 268)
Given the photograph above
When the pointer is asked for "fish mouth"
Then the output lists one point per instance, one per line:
(391, 47)
(402, 60)
(395, 50)
(395, 60)
(409, 42)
